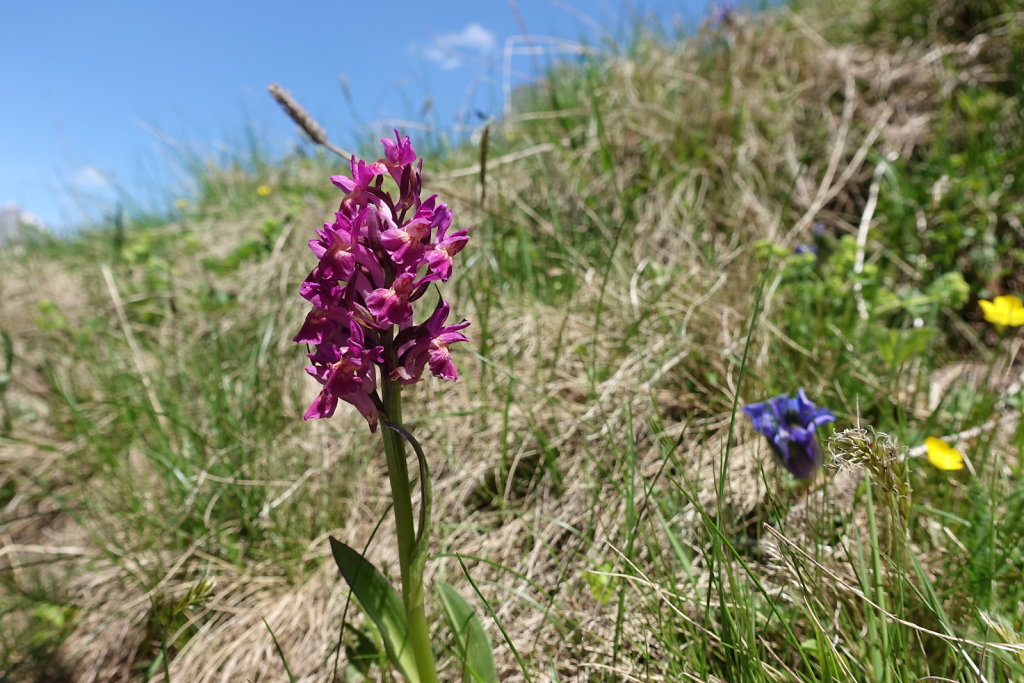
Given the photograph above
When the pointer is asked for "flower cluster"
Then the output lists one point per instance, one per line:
(789, 424)
(376, 258)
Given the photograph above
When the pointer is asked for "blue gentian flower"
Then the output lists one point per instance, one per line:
(789, 424)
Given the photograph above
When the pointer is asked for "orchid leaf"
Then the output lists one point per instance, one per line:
(474, 647)
(381, 603)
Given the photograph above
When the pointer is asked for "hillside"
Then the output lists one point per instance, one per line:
(813, 198)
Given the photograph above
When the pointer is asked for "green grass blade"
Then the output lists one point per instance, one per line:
(280, 653)
(490, 610)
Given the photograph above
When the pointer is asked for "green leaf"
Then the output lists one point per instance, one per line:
(474, 645)
(898, 346)
(381, 603)
(362, 653)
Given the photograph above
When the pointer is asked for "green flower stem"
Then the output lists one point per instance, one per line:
(412, 572)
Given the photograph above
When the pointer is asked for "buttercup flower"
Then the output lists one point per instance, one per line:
(942, 455)
(1005, 311)
(378, 257)
(789, 424)
(264, 190)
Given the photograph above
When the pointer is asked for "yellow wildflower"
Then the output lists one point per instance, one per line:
(264, 190)
(180, 203)
(942, 455)
(1006, 310)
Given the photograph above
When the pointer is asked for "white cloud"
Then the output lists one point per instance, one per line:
(92, 178)
(449, 49)
(473, 37)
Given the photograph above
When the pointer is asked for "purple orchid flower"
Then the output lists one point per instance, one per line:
(398, 155)
(440, 257)
(427, 345)
(362, 175)
(391, 305)
(406, 244)
(347, 373)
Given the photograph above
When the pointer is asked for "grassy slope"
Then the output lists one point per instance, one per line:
(631, 282)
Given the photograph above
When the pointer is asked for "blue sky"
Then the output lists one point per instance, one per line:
(98, 95)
